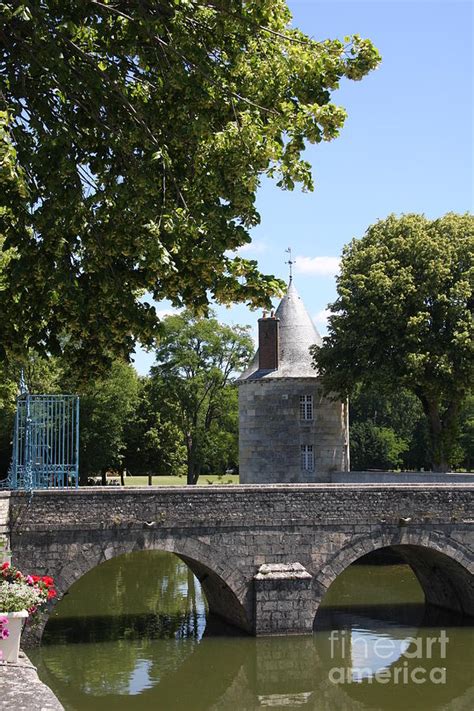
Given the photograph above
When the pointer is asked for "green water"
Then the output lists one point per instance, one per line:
(134, 633)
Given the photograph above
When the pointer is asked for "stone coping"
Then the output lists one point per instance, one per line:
(282, 571)
(208, 489)
(22, 689)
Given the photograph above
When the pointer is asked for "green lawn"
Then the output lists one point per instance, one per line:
(204, 480)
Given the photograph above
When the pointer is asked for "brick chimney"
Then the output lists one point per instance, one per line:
(268, 342)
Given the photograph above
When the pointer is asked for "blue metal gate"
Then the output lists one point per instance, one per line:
(45, 442)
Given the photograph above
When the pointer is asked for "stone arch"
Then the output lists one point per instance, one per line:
(443, 566)
(227, 591)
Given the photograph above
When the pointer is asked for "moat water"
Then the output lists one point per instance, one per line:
(134, 633)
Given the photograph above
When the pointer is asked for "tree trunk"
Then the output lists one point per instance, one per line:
(192, 475)
(443, 431)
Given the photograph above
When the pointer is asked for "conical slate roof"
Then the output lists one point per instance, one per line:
(297, 333)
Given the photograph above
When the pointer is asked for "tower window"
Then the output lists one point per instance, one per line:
(306, 407)
(307, 458)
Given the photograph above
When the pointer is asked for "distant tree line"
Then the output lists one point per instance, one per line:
(182, 419)
(166, 424)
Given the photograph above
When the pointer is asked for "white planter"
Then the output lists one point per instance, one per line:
(11, 645)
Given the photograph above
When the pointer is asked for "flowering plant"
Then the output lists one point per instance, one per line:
(4, 631)
(23, 592)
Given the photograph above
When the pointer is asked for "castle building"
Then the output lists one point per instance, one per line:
(289, 431)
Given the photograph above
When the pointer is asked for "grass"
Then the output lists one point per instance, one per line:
(204, 480)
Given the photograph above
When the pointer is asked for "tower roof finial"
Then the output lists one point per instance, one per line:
(290, 263)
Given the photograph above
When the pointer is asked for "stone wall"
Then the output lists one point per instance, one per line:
(271, 432)
(381, 477)
(227, 533)
(4, 527)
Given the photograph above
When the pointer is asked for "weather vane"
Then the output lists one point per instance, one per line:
(290, 262)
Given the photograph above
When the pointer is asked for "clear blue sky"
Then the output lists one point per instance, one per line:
(407, 145)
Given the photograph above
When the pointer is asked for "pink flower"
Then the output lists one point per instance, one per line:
(29, 580)
(4, 633)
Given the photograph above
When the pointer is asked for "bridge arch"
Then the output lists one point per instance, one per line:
(443, 567)
(224, 586)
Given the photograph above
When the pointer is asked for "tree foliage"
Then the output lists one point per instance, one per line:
(387, 430)
(374, 447)
(106, 405)
(153, 439)
(196, 361)
(42, 375)
(403, 318)
(132, 138)
(466, 439)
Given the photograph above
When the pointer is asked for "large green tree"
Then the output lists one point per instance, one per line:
(196, 361)
(132, 138)
(403, 318)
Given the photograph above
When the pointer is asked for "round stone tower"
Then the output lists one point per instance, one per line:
(289, 432)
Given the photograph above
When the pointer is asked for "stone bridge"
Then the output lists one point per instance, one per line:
(265, 555)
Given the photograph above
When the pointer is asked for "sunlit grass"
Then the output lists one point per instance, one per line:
(204, 480)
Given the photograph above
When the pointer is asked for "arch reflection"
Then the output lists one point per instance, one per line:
(188, 661)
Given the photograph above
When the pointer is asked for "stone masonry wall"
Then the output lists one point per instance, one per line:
(271, 432)
(226, 533)
(4, 526)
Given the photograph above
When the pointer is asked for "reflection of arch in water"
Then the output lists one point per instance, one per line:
(400, 691)
(281, 672)
(225, 588)
(197, 682)
(445, 571)
(445, 576)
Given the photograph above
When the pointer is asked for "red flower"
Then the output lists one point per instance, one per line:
(36, 578)
(47, 580)
(4, 566)
(51, 593)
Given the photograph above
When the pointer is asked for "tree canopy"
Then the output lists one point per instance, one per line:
(132, 139)
(403, 318)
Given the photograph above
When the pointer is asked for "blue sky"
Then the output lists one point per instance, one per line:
(407, 145)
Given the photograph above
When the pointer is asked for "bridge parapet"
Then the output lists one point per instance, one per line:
(243, 506)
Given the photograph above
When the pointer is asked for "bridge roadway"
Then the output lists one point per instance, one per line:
(243, 542)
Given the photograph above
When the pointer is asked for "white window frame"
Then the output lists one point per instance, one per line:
(306, 408)
(307, 458)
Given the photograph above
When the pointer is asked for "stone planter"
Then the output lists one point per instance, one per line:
(11, 645)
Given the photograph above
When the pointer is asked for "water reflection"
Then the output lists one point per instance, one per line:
(135, 634)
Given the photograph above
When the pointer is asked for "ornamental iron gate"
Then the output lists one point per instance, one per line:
(45, 442)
